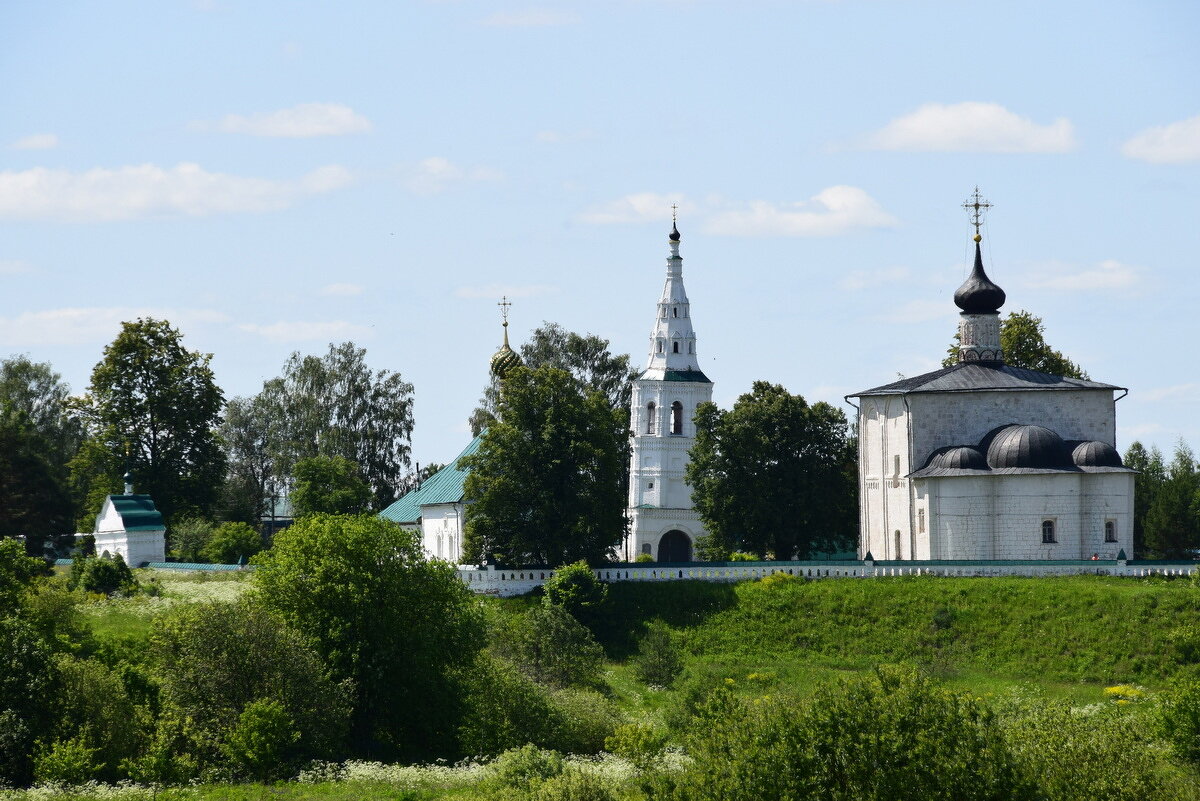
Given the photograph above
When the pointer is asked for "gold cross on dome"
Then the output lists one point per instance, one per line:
(674, 210)
(504, 304)
(976, 206)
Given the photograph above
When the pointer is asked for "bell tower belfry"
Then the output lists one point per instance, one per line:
(662, 521)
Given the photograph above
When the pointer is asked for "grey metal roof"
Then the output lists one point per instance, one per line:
(1016, 449)
(982, 377)
(978, 294)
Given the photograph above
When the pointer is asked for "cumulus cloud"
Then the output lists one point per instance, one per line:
(147, 190)
(1176, 143)
(342, 290)
(504, 290)
(531, 18)
(1108, 274)
(300, 121)
(83, 325)
(437, 174)
(296, 331)
(14, 267)
(637, 207)
(43, 141)
(832, 211)
(971, 128)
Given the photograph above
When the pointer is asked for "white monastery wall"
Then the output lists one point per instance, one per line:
(442, 530)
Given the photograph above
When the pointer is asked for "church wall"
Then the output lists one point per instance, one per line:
(441, 531)
(961, 514)
(963, 418)
(886, 505)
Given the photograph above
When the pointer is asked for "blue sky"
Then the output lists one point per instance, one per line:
(274, 176)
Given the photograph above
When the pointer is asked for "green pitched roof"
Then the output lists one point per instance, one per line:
(444, 486)
(137, 512)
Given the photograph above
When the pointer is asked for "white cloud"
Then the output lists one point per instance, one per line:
(303, 120)
(342, 290)
(436, 174)
(14, 267)
(919, 311)
(1179, 392)
(45, 141)
(147, 190)
(76, 326)
(532, 18)
(505, 290)
(971, 128)
(1176, 143)
(861, 279)
(1108, 274)
(833, 211)
(294, 331)
(637, 207)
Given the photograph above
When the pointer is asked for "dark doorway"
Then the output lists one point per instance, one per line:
(675, 546)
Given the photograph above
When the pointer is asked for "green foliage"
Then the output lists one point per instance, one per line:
(1151, 475)
(17, 572)
(889, 735)
(644, 558)
(1022, 338)
(96, 718)
(215, 661)
(524, 768)
(381, 616)
(261, 743)
(1179, 719)
(36, 499)
(1172, 524)
(587, 718)
(151, 395)
(249, 429)
(640, 743)
(552, 647)
(573, 785)
(575, 588)
(504, 709)
(68, 761)
(658, 660)
(334, 405)
(28, 677)
(546, 485)
(773, 444)
(106, 575)
(188, 538)
(328, 485)
(232, 542)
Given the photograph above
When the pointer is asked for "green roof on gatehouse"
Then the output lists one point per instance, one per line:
(444, 486)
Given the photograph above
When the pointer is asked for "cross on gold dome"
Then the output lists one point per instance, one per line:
(976, 206)
(504, 304)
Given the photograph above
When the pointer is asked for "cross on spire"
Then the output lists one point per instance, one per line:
(674, 213)
(976, 206)
(504, 304)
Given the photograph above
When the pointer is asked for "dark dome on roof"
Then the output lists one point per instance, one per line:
(674, 235)
(1096, 454)
(978, 295)
(504, 360)
(960, 457)
(1027, 446)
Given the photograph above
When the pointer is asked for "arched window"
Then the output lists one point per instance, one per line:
(1110, 531)
(691, 347)
(676, 311)
(651, 409)
(676, 418)
(675, 347)
(1048, 532)
(660, 346)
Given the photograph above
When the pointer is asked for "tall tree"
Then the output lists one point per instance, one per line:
(585, 356)
(1022, 337)
(1173, 519)
(771, 475)
(545, 486)
(328, 485)
(334, 405)
(34, 501)
(246, 434)
(1151, 475)
(151, 394)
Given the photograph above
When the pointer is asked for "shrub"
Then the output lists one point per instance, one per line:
(658, 661)
(589, 719)
(640, 743)
(96, 717)
(28, 678)
(65, 762)
(101, 575)
(573, 785)
(552, 647)
(504, 709)
(262, 745)
(644, 558)
(188, 537)
(232, 542)
(524, 768)
(575, 588)
(1179, 719)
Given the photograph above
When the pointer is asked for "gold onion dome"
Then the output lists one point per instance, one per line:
(505, 359)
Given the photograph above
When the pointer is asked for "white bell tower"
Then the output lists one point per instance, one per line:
(662, 521)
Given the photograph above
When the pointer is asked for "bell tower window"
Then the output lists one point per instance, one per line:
(675, 347)
(676, 418)
(650, 411)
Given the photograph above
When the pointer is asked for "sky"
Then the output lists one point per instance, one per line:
(271, 177)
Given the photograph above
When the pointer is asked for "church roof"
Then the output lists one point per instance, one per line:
(1022, 448)
(982, 377)
(690, 374)
(137, 512)
(444, 486)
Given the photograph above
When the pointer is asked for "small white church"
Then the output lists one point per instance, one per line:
(984, 461)
(130, 526)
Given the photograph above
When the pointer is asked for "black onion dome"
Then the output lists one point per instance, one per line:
(960, 457)
(674, 235)
(978, 295)
(1096, 454)
(1027, 446)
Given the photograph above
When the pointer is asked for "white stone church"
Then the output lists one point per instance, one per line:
(982, 460)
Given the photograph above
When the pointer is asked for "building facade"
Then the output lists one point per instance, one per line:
(131, 526)
(663, 522)
(983, 460)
